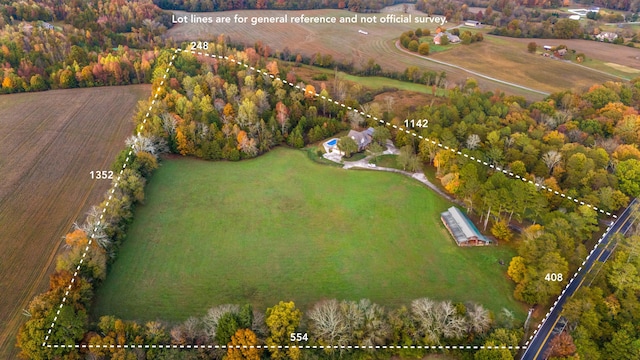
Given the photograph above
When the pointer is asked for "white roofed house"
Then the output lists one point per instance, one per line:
(452, 38)
(607, 35)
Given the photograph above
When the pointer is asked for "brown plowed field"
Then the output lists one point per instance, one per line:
(49, 143)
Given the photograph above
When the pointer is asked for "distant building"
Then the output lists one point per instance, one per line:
(607, 35)
(472, 23)
(574, 17)
(46, 25)
(462, 229)
(561, 52)
(362, 138)
(26, 27)
(452, 38)
(547, 47)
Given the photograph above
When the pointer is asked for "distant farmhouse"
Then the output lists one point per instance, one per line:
(362, 138)
(473, 23)
(607, 35)
(46, 25)
(583, 12)
(462, 229)
(452, 38)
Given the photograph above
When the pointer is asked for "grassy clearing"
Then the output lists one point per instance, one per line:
(281, 227)
(389, 161)
(51, 141)
(370, 82)
(355, 157)
(435, 48)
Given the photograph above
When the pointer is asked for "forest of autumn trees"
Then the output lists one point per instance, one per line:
(223, 5)
(53, 44)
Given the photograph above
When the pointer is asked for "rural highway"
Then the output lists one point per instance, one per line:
(537, 346)
(470, 71)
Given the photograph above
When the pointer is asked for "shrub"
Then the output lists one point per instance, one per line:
(423, 49)
(413, 46)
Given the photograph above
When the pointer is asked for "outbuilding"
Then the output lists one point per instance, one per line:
(462, 229)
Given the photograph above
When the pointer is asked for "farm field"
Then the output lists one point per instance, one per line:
(51, 140)
(491, 57)
(502, 58)
(596, 52)
(342, 41)
(281, 227)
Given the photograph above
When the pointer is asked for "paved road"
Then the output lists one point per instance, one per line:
(538, 345)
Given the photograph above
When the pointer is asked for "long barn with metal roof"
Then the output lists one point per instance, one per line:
(464, 232)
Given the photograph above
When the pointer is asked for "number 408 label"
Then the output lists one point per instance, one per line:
(553, 277)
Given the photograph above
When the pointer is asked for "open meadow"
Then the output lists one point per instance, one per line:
(501, 58)
(49, 144)
(281, 227)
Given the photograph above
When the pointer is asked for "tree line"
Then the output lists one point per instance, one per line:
(226, 5)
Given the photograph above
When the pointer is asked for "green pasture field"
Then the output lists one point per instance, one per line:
(281, 227)
(370, 82)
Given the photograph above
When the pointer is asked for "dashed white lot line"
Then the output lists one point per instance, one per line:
(112, 192)
(139, 132)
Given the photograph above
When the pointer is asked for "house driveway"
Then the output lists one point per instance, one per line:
(392, 150)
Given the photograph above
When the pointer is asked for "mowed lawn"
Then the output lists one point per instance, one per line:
(281, 227)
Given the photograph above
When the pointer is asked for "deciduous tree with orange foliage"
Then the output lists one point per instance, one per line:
(309, 92)
(246, 340)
